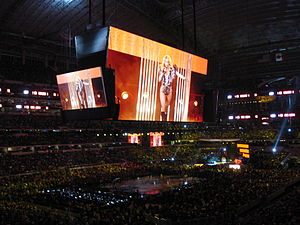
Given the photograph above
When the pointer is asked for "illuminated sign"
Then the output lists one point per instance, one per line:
(246, 155)
(264, 99)
(155, 82)
(242, 150)
(242, 145)
(81, 89)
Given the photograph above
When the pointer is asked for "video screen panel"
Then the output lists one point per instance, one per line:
(153, 80)
(134, 138)
(82, 89)
(156, 139)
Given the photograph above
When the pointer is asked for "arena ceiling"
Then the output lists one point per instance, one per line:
(222, 27)
(220, 24)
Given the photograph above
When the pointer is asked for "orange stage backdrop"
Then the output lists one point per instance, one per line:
(131, 44)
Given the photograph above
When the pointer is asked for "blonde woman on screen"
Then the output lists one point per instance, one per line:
(167, 73)
(80, 92)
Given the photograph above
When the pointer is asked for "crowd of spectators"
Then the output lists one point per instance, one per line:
(283, 210)
(217, 198)
(32, 130)
(53, 159)
(25, 122)
(15, 164)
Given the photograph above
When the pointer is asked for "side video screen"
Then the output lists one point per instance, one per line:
(82, 89)
(153, 80)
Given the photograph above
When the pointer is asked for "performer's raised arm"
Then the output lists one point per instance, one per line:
(177, 73)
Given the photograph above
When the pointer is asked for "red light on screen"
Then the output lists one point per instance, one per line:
(289, 115)
(244, 95)
(245, 117)
(288, 92)
(42, 93)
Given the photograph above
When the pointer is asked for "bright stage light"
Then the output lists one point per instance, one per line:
(19, 106)
(234, 166)
(274, 150)
(271, 93)
(289, 130)
(230, 117)
(26, 92)
(273, 115)
(229, 96)
(125, 95)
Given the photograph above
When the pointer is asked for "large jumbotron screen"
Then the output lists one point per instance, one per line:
(155, 82)
(82, 89)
